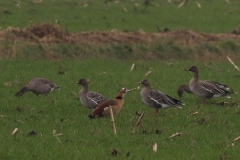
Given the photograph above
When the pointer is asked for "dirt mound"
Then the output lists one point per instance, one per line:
(44, 33)
(50, 34)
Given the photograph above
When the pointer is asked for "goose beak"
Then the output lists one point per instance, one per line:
(140, 82)
(76, 82)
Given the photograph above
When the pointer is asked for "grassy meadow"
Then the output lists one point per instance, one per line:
(206, 135)
(57, 127)
(84, 15)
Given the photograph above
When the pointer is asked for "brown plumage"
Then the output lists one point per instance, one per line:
(103, 108)
(38, 86)
(183, 88)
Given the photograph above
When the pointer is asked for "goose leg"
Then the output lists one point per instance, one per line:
(204, 101)
(156, 112)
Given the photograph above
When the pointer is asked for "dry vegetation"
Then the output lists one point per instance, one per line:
(49, 34)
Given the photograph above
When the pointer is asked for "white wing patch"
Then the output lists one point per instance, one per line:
(155, 101)
(92, 100)
(105, 108)
(206, 89)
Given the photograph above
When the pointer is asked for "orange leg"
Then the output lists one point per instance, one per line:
(204, 101)
(45, 96)
(156, 112)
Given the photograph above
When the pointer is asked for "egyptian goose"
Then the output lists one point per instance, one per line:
(89, 99)
(206, 89)
(38, 86)
(186, 88)
(103, 108)
(157, 99)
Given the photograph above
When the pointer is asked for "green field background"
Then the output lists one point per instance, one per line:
(74, 16)
(206, 135)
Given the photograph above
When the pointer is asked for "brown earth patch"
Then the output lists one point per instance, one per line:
(51, 34)
(48, 41)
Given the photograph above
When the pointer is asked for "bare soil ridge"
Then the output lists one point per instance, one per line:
(51, 34)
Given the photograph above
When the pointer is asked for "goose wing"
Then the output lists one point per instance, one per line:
(95, 97)
(48, 82)
(219, 85)
(210, 90)
(103, 106)
(159, 99)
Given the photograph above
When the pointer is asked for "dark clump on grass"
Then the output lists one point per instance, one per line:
(114, 152)
(231, 104)
(204, 120)
(20, 108)
(158, 131)
(68, 140)
(40, 111)
(32, 133)
(223, 156)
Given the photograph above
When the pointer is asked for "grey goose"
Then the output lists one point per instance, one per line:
(183, 88)
(89, 99)
(186, 88)
(38, 86)
(206, 89)
(157, 99)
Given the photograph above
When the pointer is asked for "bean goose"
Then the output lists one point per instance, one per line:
(206, 89)
(183, 88)
(89, 99)
(103, 108)
(157, 99)
(38, 86)
(186, 88)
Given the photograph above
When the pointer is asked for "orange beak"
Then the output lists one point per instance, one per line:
(76, 82)
(140, 82)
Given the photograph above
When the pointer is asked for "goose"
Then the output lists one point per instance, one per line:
(183, 88)
(206, 89)
(38, 86)
(157, 99)
(103, 108)
(186, 88)
(89, 99)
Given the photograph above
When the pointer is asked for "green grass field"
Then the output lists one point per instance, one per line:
(76, 16)
(207, 135)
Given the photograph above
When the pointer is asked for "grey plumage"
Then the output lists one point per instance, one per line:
(157, 99)
(38, 86)
(89, 99)
(207, 89)
(186, 88)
